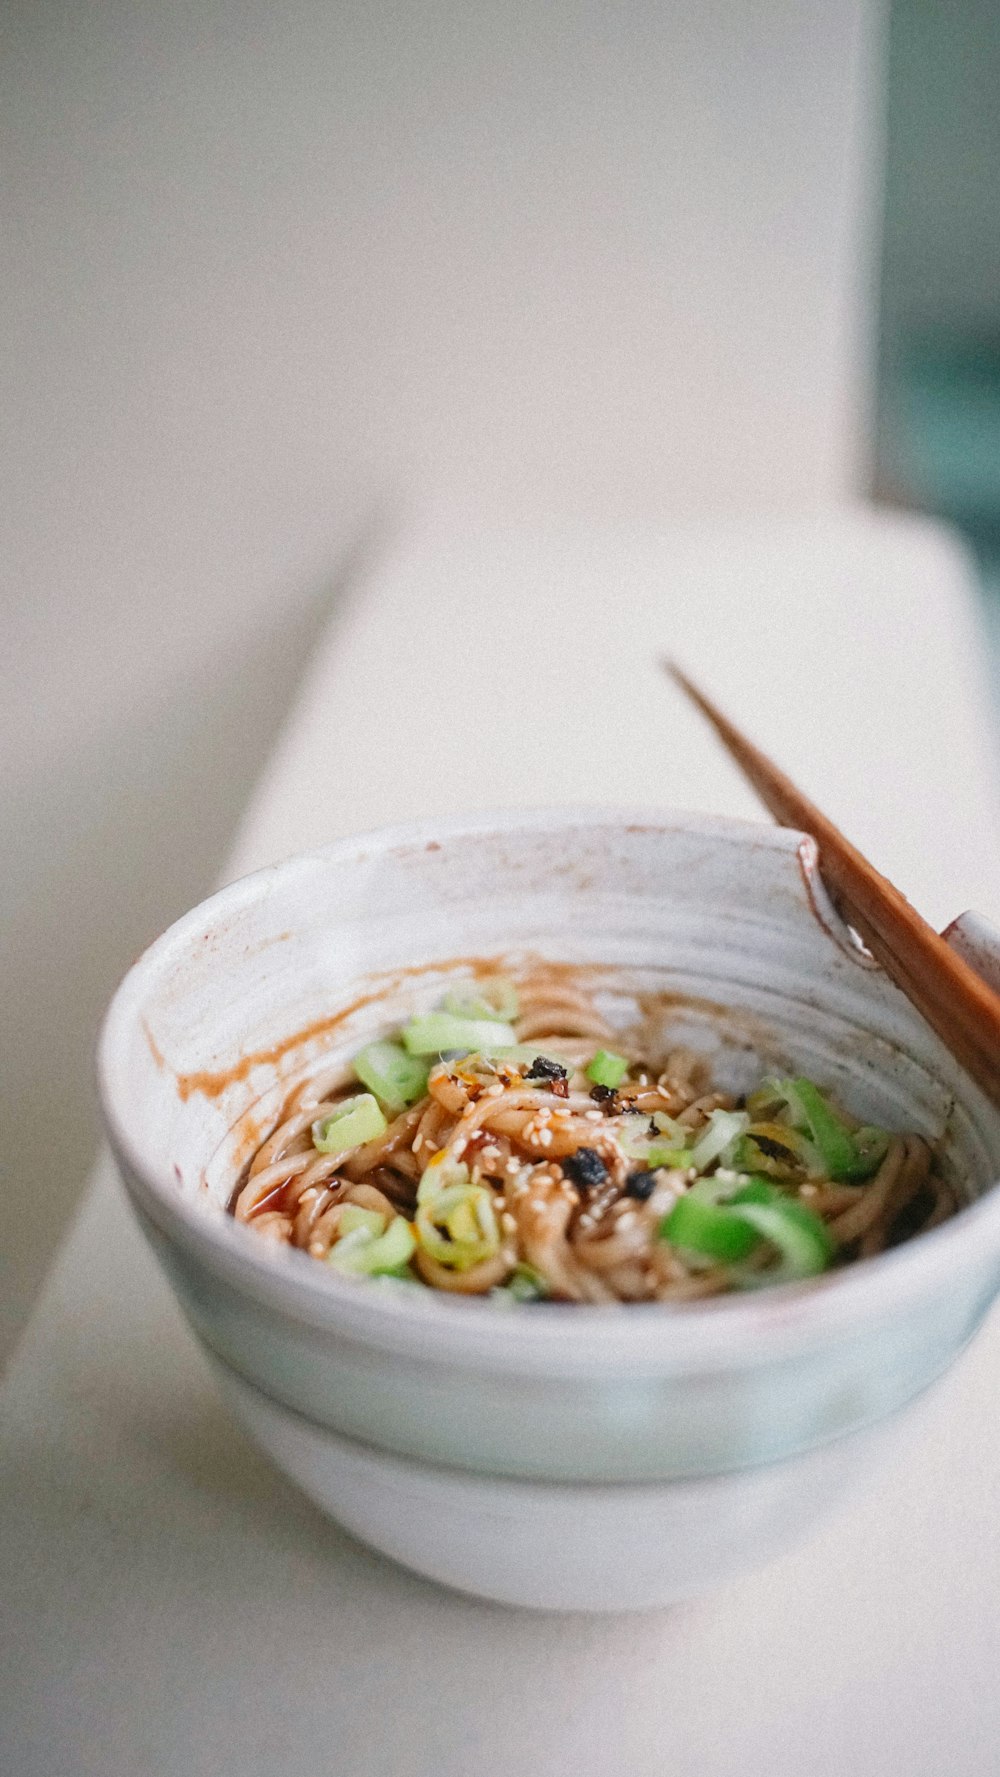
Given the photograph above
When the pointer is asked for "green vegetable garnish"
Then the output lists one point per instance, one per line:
(801, 1237)
(709, 1229)
(441, 1174)
(765, 1101)
(607, 1069)
(455, 1222)
(838, 1150)
(725, 1224)
(397, 1079)
(494, 998)
(721, 1131)
(638, 1143)
(524, 1284)
(776, 1150)
(677, 1159)
(438, 1032)
(355, 1217)
(354, 1122)
(872, 1145)
(757, 1190)
(372, 1254)
(726, 1186)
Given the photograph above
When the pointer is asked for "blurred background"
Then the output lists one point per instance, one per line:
(938, 438)
(279, 279)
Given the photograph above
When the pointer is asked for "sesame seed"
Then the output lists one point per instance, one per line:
(545, 1138)
(594, 1116)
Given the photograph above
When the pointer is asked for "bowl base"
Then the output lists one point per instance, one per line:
(546, 1545)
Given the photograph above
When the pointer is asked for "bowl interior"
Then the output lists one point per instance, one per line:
(726, 922)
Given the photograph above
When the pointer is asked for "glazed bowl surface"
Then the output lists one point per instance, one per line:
(718, 1420)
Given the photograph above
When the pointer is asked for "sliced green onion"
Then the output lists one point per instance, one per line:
(777, 1151)
(725, 1186)
(354, 1122)
(803, 1240)
(720, 1187)
(441, 1174)
(708, 1229)
(342, 1255)
(607, 1069)
(765, 1101)
(524, 1284)
(872, 1145)
(723, 1128)
(458, 1226)
(376, 1255)
(635, 1143)
(728, 1228)
(494, 998)
(677, 1159)
(641, 1133)
(437, 1032)
(833, 1141)
(758, 1190)
(397, 1079)
(678, 1133)
(355, 1217)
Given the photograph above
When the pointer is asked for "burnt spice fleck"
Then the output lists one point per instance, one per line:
(544, 1069)
(585, 1168)
(775, 1150)
(607, 1098)
(640, 1185)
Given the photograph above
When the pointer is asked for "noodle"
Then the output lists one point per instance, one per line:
(524, 1173)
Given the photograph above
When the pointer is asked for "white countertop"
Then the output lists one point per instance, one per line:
(169, 1605)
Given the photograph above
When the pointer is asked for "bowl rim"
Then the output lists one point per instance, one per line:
(720, 1333)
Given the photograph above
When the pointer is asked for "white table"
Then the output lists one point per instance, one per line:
(174, 1608)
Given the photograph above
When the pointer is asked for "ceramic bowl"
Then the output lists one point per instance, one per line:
(571, 1457)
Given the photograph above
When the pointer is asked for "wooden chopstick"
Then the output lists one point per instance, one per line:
(956, 1002)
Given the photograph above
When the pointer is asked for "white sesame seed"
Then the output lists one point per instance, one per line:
(594, 1116)
(545, 1138)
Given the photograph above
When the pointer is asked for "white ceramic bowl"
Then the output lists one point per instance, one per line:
(562, 1457)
